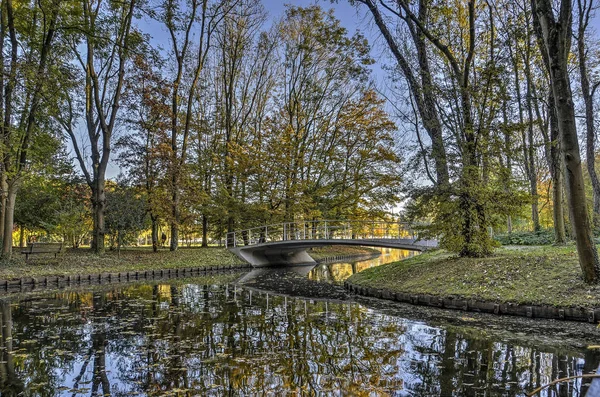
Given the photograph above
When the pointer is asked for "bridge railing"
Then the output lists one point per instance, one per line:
(321, 230)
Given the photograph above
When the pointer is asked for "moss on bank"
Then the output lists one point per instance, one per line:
(83, 261)
(523, 275)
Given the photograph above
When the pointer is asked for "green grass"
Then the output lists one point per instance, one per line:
(82, 261)
(524, 275)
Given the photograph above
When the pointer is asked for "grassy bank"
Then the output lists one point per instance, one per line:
(82, 261)
(524, 275)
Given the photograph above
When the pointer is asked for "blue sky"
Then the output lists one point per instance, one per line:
(344, 11)
(352, 18)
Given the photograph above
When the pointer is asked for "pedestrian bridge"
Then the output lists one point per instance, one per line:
(286, 243)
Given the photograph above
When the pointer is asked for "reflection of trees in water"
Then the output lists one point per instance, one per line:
(467, 361)
(199, 339)
(338, 272)
(10, 384)
(98, 351)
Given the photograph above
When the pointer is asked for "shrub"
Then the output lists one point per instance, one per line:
(541, 237)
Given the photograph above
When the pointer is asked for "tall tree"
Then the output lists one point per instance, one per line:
(242, 68)
(584, 11)
(142, 151)
(192, 25)
(466, 98)
(324, 68)
(102, 51)
(555, 33)
(28, 35)
(419, 79)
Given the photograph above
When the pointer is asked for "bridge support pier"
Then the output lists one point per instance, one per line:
(275, 257)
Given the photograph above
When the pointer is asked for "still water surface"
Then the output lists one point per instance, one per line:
(282, 332)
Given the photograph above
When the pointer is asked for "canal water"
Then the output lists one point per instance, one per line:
(276, 332)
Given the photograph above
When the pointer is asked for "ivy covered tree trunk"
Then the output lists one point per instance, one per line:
(556, 172)
(9, 217)
(3, 193)
(556, 37)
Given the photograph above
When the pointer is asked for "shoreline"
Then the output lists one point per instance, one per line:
(579, 314)
(76, 277)
(533, 282)
(50, 283)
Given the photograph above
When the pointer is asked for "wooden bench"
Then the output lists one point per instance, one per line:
(43, 248)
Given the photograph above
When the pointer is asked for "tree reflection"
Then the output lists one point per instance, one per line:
(10, 384)
(202, 339)
(99, 342)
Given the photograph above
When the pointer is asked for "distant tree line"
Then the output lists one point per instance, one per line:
(230, 121)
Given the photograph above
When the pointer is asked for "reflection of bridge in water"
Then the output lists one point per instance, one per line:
(338, 271)
(286, 243)
(323, 281)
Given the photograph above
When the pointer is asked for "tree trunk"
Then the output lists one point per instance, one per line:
(474, 232)
(204, 231)
(556, 36)
(3, 193)
(586, 249)
(174, 243)
(9, 217)
(556, 172)
(560, 237)
(175, 221)
(119, 238)
(527, 136)
(154, 233)
(535, 216)
(98, 206)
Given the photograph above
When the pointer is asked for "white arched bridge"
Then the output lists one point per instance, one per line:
(286, 243)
